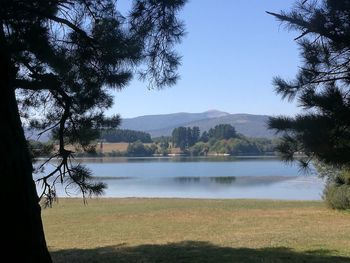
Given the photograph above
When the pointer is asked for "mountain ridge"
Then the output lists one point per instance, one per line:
(251, 125)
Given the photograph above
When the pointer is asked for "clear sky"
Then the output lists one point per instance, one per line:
(231, 52)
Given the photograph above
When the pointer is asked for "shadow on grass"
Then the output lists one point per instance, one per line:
(193, 251)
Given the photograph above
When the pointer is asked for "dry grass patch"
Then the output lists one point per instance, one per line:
(110, 147)
(122, 227)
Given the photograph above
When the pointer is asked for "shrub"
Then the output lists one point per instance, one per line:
(337, 196)
(337, 191)
(199, 149)
(139, 149)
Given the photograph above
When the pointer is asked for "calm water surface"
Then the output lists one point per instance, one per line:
(226, 177)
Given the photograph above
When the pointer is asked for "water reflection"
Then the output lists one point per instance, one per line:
(223, 180)
(225, 177)
(174, 159)
(217, 180)
(239, 181)
(184, 180)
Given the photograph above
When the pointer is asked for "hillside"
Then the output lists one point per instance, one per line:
(161, 121)
(162, 125)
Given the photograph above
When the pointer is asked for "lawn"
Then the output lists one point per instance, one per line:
(188, 230)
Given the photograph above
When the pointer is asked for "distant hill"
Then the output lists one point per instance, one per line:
(158, 122)
(162, 125)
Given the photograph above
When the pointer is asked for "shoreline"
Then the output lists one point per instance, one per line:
(263, 200)
(172, 157)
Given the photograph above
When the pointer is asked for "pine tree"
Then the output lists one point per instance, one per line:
(321, 87)
(58, 61)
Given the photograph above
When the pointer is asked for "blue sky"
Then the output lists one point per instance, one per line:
(231, 52)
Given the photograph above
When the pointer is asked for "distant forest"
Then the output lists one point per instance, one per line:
(124, 135)
(222, 139)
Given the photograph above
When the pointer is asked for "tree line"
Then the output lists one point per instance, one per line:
(125, 135)
(221, 139)
(184, 137)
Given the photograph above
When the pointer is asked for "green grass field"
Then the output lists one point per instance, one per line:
(186, 230)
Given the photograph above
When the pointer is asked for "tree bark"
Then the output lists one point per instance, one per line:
(23, 234)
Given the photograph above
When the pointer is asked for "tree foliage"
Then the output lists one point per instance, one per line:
(185, 137)
(337, 190)
(240, 145)
(221, 139)
(139, 149)
(40, 149)
(222, 131)
(65, 56)
(322, 85)
(204, 137)
(124, 135)
(59, 59)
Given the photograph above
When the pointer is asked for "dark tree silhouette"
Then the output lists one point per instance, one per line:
(222, 131)
(179, 137)
(125, 135)
(185, 137)
(58, 59)
(322, 85)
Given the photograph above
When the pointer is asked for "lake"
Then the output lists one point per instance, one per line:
(217, 177)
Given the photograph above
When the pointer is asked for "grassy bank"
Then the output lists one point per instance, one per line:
(184, 230)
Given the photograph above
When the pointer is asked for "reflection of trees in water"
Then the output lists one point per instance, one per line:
(223, 180)
(242, 181)
(218, 180)
(247, 181)
(184, 179)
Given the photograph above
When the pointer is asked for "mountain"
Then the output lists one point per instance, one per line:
(158, 122)
(162, 125)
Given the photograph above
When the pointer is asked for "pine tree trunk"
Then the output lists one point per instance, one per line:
(22, 234)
